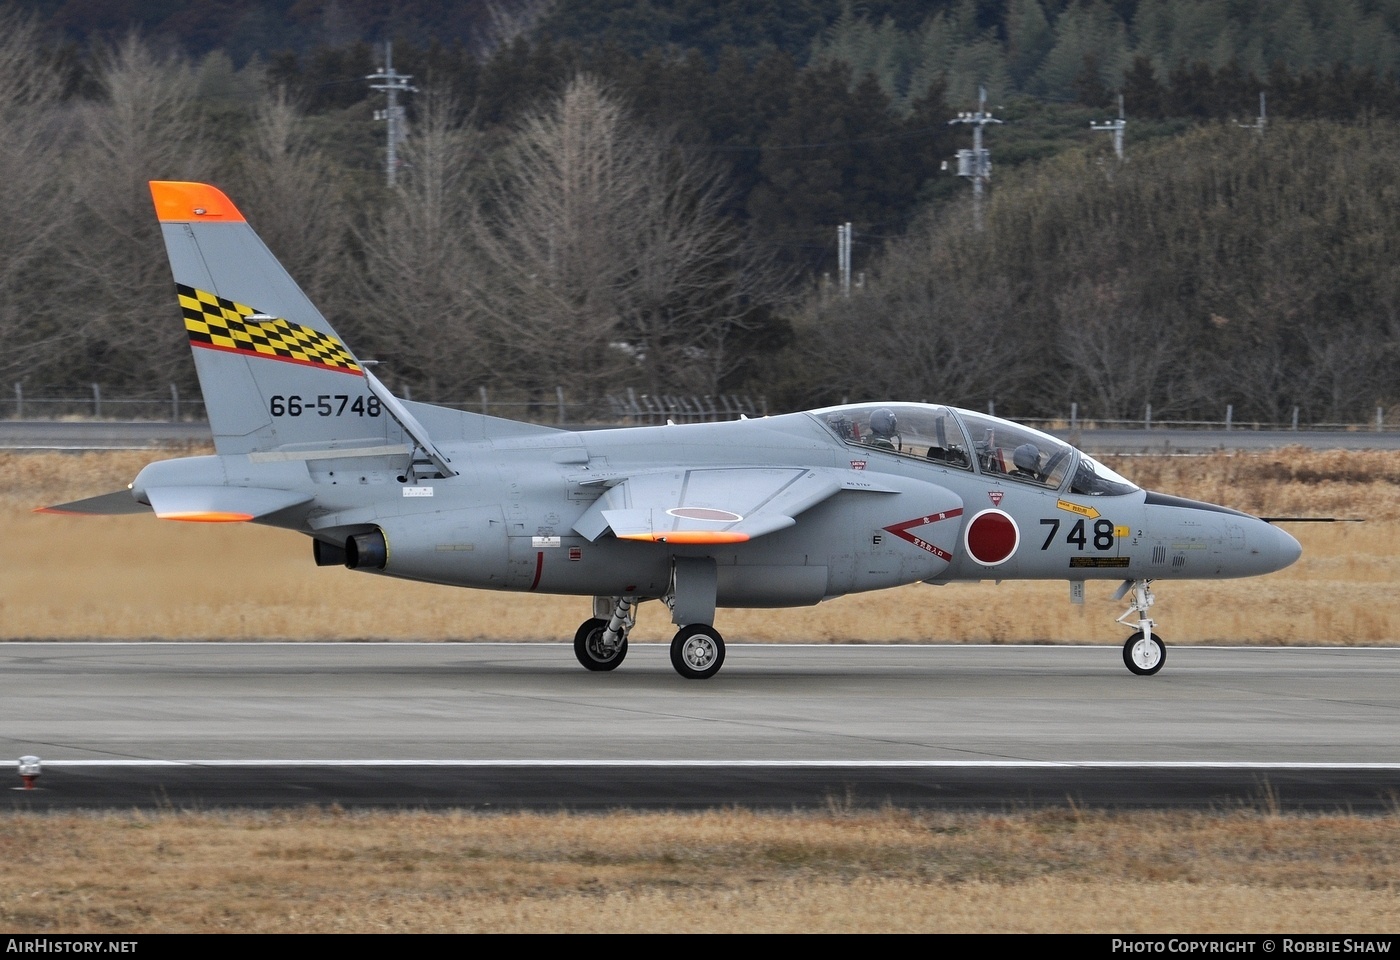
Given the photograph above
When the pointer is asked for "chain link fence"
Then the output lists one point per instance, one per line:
(544, 407)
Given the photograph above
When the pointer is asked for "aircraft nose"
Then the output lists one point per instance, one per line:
(1280, 546)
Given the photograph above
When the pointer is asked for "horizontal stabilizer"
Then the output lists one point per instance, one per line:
(221, 504)
(107, 505)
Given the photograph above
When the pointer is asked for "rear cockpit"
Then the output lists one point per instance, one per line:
(920, 431)
(964, 440)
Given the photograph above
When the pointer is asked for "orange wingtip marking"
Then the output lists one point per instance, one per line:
(66, 513)
(179, 202)
(688, 537)
(207, 516)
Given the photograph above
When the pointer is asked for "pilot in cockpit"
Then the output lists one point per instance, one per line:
(883, 429)
(1025, 462)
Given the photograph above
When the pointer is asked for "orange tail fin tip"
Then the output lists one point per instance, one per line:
(180, 202)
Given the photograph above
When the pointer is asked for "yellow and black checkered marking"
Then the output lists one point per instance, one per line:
(222, 324)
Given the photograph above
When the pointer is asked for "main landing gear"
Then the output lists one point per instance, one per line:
(697, 651)
(1144, 653)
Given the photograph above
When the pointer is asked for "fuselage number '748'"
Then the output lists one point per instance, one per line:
(1078, 536)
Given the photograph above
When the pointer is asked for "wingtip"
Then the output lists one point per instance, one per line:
(180, 202)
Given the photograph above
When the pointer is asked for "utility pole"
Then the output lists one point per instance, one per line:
(843, 256)
(1258, 125)
(976, 164)
(1114, 127)
(392, 83)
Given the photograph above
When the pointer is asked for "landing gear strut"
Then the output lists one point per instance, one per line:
(602, 644)
(1143, 653)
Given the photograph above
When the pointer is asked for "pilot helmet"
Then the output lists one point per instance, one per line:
(1026, 457)
(883, 422)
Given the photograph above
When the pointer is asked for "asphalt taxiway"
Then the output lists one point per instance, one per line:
(490, 726)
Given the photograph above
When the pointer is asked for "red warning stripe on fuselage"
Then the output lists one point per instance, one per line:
(901, 530)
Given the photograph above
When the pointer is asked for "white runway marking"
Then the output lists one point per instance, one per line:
(796, 764)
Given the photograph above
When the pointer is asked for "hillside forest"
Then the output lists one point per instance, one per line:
(603, 195)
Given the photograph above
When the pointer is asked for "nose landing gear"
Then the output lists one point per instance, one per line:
(1144, 653)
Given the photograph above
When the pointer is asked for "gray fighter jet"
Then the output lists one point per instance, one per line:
(774, 512)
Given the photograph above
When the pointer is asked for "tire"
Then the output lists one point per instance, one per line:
(697, 651)
(1142, 657)
(587, 647)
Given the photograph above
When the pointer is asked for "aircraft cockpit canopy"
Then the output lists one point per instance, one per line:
(966, 440)
(1017, 452)
(918, 430)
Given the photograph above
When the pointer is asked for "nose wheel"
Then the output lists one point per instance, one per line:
(1144, 654)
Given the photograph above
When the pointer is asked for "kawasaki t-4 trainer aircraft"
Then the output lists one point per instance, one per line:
(773, 512)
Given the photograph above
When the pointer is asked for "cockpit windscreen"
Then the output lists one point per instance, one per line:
(1093, 479)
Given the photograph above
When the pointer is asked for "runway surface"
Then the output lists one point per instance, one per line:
(512, 725)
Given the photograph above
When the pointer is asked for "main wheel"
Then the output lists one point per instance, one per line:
(697, 652)
(588, 646)
(1143, 656)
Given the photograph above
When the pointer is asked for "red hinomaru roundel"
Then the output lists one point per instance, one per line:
(992, 537)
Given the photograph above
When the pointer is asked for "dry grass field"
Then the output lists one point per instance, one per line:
(1053, 871)
(725, 871)
(135, 577)
(1048, 871)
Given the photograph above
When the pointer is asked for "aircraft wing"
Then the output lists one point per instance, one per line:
(707, 504)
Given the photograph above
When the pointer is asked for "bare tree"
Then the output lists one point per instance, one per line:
(508, 20)
(923, 327)
(290, 191)
(145, 127)
(608, 258)
(419, 280)
(34, 202)
(1109, 344)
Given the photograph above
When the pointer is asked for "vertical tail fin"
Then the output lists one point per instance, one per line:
(274, 373)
